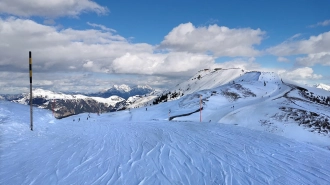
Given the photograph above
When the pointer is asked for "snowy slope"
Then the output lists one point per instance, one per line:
(203, 79)
(208, 79)
(256, 129)
(259, 101)
(111, 149)
(140, 101)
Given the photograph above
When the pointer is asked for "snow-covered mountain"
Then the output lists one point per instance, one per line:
(253, 128)
(70, 104)
(208, 79)
(257, 100)
(275, 102)
(123, 91)
(203, 79)
(139, 146)
(66, 105)
(323, 86)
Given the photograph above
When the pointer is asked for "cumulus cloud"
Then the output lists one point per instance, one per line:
(88, 64)
(59, 50)
(316, 50)
(283, 59)
(69, 51)
(315, 44)
(50, 8)
(175, 62)
(94, 50)
(220, 41)
(299, 74)
(322, 58)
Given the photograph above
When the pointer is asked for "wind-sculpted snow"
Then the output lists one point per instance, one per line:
(109, 149)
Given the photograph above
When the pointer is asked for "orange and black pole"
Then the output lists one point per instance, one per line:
(31, 110)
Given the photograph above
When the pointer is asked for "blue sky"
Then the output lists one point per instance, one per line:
(149, 21)
(95, 44)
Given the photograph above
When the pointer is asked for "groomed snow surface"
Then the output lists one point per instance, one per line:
(124, 148)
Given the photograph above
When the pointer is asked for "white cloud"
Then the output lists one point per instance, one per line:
(322, 58)
(300, 74)
(60, 55)
(57, 50)
(50, 8)
(93, 50)
(316, 49)
(323, 23)
(68, 51)
(283, 59)
(221, 41)
(88, 64)
(315, 44)
(175, 62)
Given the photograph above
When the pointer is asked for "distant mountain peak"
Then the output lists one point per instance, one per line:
(122, 87)
(124, 91)
(323, 86)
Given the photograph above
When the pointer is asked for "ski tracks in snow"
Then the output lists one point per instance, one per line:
(162, 153)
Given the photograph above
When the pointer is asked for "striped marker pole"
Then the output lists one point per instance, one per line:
(200, 108)
(31, 110)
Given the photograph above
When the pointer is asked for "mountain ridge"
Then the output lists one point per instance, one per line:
(123, 91)
(253, 99)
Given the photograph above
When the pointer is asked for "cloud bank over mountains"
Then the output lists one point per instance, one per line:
(184, 50)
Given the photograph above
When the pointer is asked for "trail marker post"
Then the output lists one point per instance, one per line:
(200, 108)
(31, 109)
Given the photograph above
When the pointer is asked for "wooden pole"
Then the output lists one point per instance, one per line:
(31, 110)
